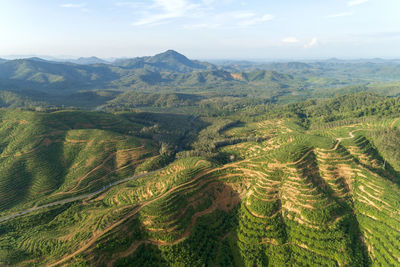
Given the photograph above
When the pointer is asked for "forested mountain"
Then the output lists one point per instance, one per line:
(167, 61)
(56, 83)
(88, 61)
(340, 69)
(10, 99)
(56, 77)
(50, 76)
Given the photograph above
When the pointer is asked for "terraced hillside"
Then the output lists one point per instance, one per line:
(293, 197)
(49, 156)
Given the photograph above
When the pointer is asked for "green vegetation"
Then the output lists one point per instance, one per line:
(170, 82)
(273, 192)
(50, 156)
(231, 168)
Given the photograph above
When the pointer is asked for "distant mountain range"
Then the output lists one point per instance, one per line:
(37, 80)
(87, 61)
(169, 69)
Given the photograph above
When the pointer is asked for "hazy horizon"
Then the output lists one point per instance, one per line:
(255, 60)
(202, 29)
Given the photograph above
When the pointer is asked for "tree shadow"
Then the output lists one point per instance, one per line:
(205, 237)
(311, 172)
(386, 170)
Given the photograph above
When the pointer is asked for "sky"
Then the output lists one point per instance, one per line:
(202, 29)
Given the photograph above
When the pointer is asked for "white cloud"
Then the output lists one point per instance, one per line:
(138, 5)
(290, 40)
(356, 2)
(256, 20)
(209, 2)
(70, 5)
(244, 15)
(344, 14)
(203, 11)
(314, 42)
(174, 6)
(201, 26)
(154, 19)
(170, 9)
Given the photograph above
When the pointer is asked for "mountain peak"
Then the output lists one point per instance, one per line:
(36, 59)
(169, 60)
(89, 60)
(92, 57)
(172, 54)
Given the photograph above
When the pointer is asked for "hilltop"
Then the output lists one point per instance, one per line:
(88, 61)
(169, 60)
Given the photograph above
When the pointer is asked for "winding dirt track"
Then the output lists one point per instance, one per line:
(129, 215)
(135, 245)
(393, 123)
(73, 199)
(108, 158)
(339, 140)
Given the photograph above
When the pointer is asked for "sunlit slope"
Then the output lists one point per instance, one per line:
(325, 197)
(55, 155)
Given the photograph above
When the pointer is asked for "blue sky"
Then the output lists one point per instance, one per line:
(203, 29)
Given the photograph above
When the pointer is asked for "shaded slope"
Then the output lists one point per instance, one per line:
(64, 153)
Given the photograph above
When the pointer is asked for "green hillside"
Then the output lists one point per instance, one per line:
(312, 183)
(9, 99)
(49, 156)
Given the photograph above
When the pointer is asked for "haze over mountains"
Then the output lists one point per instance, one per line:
(92, 72)
(92, 82)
